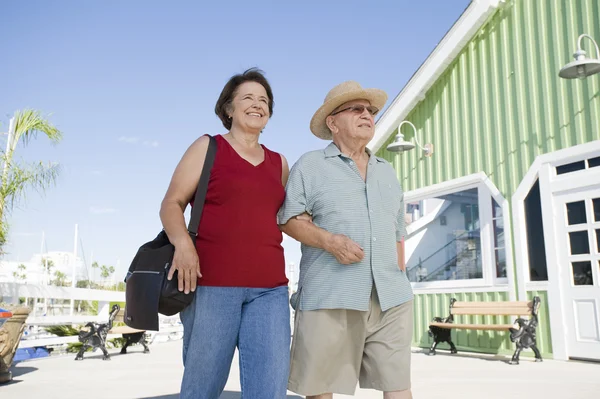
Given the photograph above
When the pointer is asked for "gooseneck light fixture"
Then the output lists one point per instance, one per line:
(582, 67)
(401, 145)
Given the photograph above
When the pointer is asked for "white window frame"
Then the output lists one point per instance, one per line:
(486, 191)
(544, 169)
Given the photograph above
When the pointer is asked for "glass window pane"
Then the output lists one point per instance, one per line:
(536, 244)
(582, 273)
(496, 209)
(598, 240)
(593, 162)
(500, 262)
(576, 212)
(450, 248)
(596, 202)
(579, 242)
(570, 167)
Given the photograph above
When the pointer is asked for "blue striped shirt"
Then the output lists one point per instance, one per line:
(328, 185)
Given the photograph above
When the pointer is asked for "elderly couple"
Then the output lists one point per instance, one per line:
(353, 305)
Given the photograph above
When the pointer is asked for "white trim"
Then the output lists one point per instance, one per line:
(476, 14)
(544, 168)
(565, 182)
(491, 282)
(555, 302)
(560, 157)
(536, 286)
(486, 233)
(447, 187)
(453, 290)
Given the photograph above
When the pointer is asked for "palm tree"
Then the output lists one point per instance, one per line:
(95, 266)
(16, 177)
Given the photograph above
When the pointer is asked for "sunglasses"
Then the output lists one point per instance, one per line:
(358, 109)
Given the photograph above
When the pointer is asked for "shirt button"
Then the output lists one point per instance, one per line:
(351, 163)
(374, 239)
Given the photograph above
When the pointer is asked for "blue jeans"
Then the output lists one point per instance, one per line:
(219, 319)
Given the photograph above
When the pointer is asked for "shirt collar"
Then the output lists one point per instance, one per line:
(332, 150)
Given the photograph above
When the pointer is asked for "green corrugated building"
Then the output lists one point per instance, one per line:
(507, 206)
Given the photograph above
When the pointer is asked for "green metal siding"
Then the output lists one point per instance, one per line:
(428, 306)
(497, 107)
(500, 104)
(544, 338)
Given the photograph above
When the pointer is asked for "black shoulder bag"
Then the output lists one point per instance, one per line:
(148, 292)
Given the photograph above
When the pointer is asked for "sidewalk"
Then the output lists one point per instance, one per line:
(157, 375)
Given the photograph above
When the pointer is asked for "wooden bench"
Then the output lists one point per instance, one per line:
(94, 335)
(522, 332)
(119, 318)
(131, 335)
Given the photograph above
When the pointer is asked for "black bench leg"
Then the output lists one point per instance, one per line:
(538, 355)
(452, 347)
(124, 348)
(515, 358)
(105, 352)
(82, 350)
(441, 335)
(432, 349)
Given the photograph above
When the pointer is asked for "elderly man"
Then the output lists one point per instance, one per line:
(354, 315)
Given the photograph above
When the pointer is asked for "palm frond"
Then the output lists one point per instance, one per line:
(30, 122)
(20, 178)
(62, 330)
(3, 235)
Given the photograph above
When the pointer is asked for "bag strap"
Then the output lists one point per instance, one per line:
(202, 188)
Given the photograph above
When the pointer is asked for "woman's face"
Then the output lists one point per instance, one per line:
(250, 107)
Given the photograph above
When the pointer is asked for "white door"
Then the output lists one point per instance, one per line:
(577, 214)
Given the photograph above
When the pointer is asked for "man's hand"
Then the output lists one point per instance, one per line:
(344, 249)
(401, 259)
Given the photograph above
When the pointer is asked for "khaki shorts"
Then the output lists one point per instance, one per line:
(333, 349)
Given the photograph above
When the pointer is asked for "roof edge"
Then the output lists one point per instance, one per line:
(463, 30)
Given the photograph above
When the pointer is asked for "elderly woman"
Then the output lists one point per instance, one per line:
(237, 267)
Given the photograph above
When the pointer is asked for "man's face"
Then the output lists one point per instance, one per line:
(354, 120)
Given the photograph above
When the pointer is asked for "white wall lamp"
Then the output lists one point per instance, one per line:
(401, 145)
(582, 67)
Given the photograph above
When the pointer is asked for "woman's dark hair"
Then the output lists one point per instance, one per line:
(230, 90)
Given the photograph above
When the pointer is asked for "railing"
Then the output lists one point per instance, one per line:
(415, 268)
(168, 331)
(432, 274)
(414, 277)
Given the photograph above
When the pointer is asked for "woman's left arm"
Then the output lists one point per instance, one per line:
(285, 170)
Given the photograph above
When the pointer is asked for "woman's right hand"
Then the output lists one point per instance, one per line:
(185, 261)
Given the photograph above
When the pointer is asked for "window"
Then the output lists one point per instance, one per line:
(578, 165)
(459, 239)
(447, 245)
(538, 269)
(499, 242)
(570, 167)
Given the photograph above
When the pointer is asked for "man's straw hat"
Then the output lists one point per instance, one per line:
(340, 94)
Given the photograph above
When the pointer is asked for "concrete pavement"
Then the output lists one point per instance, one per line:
(157, 376)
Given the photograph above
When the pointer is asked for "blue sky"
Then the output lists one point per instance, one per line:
(132, 84)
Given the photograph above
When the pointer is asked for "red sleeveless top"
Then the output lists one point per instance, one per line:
(239, 241)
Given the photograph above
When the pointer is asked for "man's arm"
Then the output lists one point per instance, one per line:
(401, 260)
(344, 249)
(306, 232)
(401, 234)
